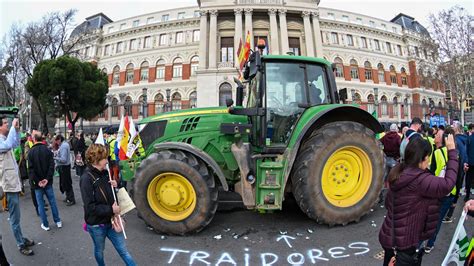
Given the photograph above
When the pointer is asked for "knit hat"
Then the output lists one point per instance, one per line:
(394, 128)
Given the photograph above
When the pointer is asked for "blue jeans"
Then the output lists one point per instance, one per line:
(98, 234)
(48, 190)
(13, 200)
(445, 205)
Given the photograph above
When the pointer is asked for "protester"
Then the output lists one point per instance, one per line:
(63, 162)
(99, 205)
(413, 201)
(470, 162)
(391, 142)
(10, 181)
(79, 154)
(411, 133)
(113, 157)
(41, 170)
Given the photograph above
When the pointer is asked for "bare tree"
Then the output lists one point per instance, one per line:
(451, 41)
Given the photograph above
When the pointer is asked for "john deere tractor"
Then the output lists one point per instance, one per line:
(291, 137)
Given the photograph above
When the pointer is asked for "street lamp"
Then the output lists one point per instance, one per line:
(168, 104)
(376, 101)
(145, 103)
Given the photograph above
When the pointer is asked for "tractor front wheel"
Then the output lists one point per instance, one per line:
(337, 175)
(175, 193)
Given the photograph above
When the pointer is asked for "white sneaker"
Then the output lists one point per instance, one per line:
(45, 228)
(59, 224)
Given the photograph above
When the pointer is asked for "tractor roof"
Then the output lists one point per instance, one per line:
(306, 59)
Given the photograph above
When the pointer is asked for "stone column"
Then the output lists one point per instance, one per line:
(308, 34)
(409, 108)
(122, 104)
(248, 26)
(213, 39)
(274, 47)
(203, 40)
(109, 109)
(317, 34)
(238, 35)
(285, 48)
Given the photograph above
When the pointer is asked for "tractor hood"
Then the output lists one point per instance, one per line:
(186, 112)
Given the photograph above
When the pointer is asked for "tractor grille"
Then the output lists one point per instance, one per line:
(189, 124)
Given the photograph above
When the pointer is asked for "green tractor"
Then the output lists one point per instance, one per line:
(292, 136)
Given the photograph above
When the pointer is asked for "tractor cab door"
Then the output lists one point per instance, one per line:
(290, 88)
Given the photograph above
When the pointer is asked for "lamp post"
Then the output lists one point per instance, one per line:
(168, 104)
(145, 103)
(376, 102)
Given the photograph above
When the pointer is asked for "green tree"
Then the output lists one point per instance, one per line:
(67, 86)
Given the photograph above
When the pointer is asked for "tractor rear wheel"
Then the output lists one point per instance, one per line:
(175, 193)
(337, 175)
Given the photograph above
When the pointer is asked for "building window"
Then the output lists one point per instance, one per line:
(394, 29)
(345, 18)
(354, 69)
(350, 40)
(399, 50)
(177, 68)
(163, 39)
(160, 69)
(225, 92)
(421, 77)
(404, 76)
(384, 105)
(197, 13)
(417, 52)
(395, 106)
(88, 51)
(359, 21)
(122, 26)
(194, 65)
(129, 74)
(294, 45)
(405, 107)
(147, 43)
(334, 38)
(425, 53)
(389, 47)
(165, 18)
(368, 70)
(227, 49)
(179, 37)
(114, 107)
(256, 39)
(135, 23)
(128, 106)
(370, 103)
(423, 107)
(196, 35)
(193, 99)
(107, 50)
(181, 15)
(119, 47)
(176, 101)
(384, 26)
(381, 72)
(364, 42)
(377, 45)
(110, 29)
(133, 44)
(104, 71)
(393, 75)
(339, 67)
(159, 103)
(331, 16)
(116, 75)
(372, 24)
(144, 71)
(149, 20)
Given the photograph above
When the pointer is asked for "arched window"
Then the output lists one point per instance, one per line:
(177, 68)
(368, 70)
(104, 70)
(395, 106)
(159, 103)
(144, 71)
(384, 105)
(370, 103)
(115, 107)
(354, 69)
(381, 72)
(160, 69)
(423, 107)
(176, 101)
(128, 106)
(405, 107)
(225, 92)
(194, 65)
(393, 75)
(404, 76)
(116, 75)
(357, 98)
(193, 99)
(428, 80)
(339, 67)
(440, 106)
(129, 74)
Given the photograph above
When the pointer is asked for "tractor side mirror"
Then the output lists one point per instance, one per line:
(239, 99)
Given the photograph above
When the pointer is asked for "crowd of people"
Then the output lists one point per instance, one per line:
(435, 166)
(38, 158)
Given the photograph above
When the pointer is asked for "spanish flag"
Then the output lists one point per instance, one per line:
(123, 137)
(243, 51)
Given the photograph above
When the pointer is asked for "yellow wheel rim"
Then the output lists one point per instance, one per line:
(171, 196)
(347, 176)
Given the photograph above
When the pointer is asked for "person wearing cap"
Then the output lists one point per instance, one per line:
(391, 142)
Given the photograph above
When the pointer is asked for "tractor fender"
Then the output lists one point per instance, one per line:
(329, 115)
(198, 153)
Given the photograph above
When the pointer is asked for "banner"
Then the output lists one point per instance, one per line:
(458, 248)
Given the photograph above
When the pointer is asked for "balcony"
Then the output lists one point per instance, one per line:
(221, 65)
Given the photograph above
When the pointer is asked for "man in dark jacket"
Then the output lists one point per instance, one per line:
(470, 163)
(41, 170)
(391, 142)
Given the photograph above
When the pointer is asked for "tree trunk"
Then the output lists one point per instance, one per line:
(44, 120)
(462, 113)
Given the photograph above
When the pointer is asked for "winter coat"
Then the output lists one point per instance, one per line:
(470, 149)
(417, 196)
(9, 174)
(461, 146)
(41, 164)
(97, 196)
(391, 144)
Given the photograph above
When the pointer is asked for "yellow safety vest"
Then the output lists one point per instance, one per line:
(441, 158)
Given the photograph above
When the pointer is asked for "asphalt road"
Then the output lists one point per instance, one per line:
(234, 237)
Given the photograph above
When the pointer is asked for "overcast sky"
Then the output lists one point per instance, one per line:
(24, 11)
